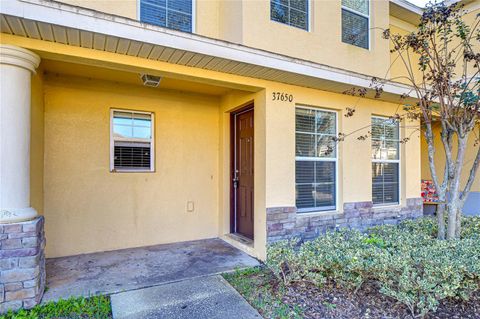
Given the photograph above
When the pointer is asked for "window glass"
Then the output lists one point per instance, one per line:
(173, 14)
(385, 188)
(132, 125)
(385, 161)
(132, 141)
(355, 22)
(385, 139)
(360, 6)
(291, 12)
(355, 29)
(315, 168)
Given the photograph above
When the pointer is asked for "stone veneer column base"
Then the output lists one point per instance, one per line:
(286, 223)
(22, 264)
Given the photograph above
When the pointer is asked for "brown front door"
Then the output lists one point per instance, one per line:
(242, 174)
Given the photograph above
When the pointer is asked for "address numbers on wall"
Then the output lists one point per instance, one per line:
(282, 96)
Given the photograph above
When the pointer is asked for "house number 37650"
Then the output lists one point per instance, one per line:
(281, 96)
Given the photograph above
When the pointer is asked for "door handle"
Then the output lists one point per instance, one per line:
(235, 179)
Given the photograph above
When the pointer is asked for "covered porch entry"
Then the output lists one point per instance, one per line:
(135, 268)
(181, 190)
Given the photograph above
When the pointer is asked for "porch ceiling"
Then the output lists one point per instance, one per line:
(66, 24)
(94, 72)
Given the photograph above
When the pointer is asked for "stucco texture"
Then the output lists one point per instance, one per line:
(440, 157)
(249, 23)
(88, 208)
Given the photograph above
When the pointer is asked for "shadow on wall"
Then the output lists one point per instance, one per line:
(472, 204)
(471, 207)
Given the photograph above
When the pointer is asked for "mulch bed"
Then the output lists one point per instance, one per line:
(335, 303)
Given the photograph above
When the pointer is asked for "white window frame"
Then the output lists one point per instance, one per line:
(320, 159)
(369, 23)
(395, 161)
(309, 17)
(194, 16)
(113, 139)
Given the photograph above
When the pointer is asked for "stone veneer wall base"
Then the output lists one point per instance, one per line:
(286, 223)
(22, 264)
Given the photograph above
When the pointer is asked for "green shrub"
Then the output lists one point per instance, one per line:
(407, 261)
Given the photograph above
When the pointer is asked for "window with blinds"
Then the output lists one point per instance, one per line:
(291, 12)
(385, 161)
(132, 141)
(315, 159)
(356, 22)
(173, 14)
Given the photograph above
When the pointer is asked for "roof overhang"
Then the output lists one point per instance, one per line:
(405, 11)
(75, 26)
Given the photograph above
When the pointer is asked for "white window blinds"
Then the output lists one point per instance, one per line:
(355, 22)
(385, 161)
(132, 141)
(316, 159)
(291, 12)
(173, 14)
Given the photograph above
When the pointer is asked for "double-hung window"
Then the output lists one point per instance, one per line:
(385, 161)
(291, 12)
(356, 22)
(315, 159)
(131, 141)
(173, 14)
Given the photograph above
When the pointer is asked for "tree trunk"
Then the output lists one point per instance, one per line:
(441, 221)
(454, 201)
(452, 219)
(458, 227)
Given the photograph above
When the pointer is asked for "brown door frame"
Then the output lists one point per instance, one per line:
(233, 115)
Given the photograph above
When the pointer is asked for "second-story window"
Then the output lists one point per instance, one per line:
(173, 14)
(356, 22)
(291, 12)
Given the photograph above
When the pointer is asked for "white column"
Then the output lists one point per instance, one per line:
(16, 68)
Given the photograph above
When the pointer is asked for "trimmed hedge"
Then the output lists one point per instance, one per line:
(407, 261)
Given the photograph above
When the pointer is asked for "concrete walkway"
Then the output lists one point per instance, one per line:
(208, 297)
(136, 268)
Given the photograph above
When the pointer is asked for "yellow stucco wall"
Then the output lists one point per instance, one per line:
(87, 208)
(323, 43)
(37, 142)
(249, 23)
(398, 69)
(472, 10)
(123, 8)
(440, 157)
(398, 63)
(354, 156)
(206, 17)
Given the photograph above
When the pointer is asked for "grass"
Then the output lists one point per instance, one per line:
(97, 307)
(256, 286)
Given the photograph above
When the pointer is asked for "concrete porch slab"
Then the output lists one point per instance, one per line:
(200, 298)
(135, 268)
